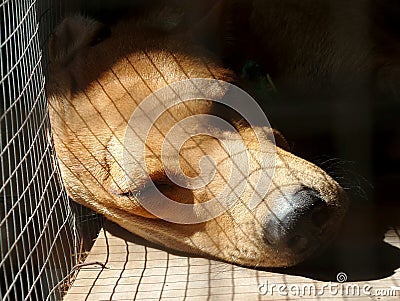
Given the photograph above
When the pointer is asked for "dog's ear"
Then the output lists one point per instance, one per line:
(70, 46)
(74, 34)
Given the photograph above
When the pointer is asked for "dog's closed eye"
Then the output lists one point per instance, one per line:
(162, 186)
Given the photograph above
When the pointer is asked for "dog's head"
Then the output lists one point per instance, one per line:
(99, 77)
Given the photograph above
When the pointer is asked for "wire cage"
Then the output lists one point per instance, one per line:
(44, 237)
(39, 238)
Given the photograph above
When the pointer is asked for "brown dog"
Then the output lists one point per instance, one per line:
(98, 77)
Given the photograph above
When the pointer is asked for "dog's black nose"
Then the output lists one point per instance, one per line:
(297, 222)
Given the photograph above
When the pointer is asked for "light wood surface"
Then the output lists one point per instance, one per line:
(136, 270)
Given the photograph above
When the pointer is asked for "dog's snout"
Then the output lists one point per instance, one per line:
(297, 223)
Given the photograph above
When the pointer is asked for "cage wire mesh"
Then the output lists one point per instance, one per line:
(39, 238)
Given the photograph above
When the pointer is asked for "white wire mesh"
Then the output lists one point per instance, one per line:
(38, 242)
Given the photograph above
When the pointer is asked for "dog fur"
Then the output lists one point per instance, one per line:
(98, 76)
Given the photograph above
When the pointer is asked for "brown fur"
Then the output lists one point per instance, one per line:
(94, 89)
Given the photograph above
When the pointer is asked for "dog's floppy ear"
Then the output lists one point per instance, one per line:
(74, 34)
(70, 46)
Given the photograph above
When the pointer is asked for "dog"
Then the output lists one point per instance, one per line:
(99, 76)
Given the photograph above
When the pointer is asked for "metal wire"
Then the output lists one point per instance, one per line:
(39, 242)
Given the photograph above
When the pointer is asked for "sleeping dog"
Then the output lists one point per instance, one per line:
(100, 76)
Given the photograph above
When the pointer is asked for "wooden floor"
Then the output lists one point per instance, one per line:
(135, 270)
